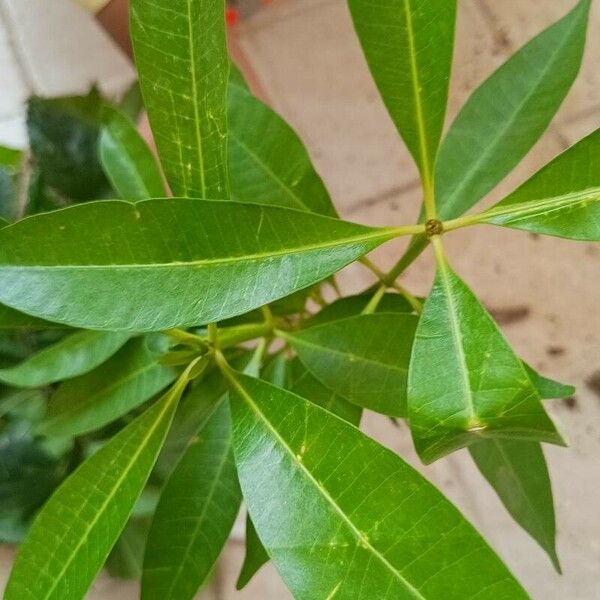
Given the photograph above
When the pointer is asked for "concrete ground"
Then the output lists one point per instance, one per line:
(544, 291)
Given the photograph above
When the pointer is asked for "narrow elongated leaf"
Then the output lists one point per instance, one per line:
(256, 555)
(126, 159)
(509, 112)
(194, 516)
(518, 473)
(320, 497)
(465, 382)
(354, 305)
(130, 378)
(74, 355)
(408, 45)
(364, 358)
(548, 388)
(75, 531)
(168, 263)
(183, 65)
(561, 199)
(267, 160)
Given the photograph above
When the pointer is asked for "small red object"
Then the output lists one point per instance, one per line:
(232, 16)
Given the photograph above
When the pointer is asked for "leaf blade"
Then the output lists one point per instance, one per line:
(100, 481)
(414, 87)
(507, 114)
(343, 543)
(202, 493)
(126, 159)
(518, 473)
(363, 358)
(76, 354)
(187, 114)
(160, 264)
(464, 381)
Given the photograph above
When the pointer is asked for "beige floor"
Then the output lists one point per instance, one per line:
(545, 291)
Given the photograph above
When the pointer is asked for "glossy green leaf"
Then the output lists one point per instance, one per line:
(195, 514)
(408, 45)
(126, 158)
(518, 473)
(74, 533)
(465, 382)
(562, 199)
(268, 162)
(127, 380)
(548, 388)
(168, 263)
(304, 384)
(183, 65)
(354, 305)
(508, 113)
(74, 355)
(256, 556)
(320, 494)
(364, 358)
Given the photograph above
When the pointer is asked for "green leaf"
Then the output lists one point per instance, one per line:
(195, 514)
(408, 45)
(74, 355)
(126, 159)
(562, 199)
(304, 384)
(15, 320)
(518, 473)
(10, 162)
(548, 388)
(160, 264)
(183, 65)
(339, 514)
(75, 531)
(508, 113)
(127, 380)
(267, 160)
(364, 358)
(63, 134)
(125, 559)
(354, 305)
(256, 555)
(465, 382)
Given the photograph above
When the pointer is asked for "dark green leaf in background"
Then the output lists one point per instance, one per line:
(127, 380)
(195, 514)
(320, 494)
(267, 160)
(126, 158)
(363, 358)
(11, 319)
(183, 65)
(72, 536)
(548, 388)
(508, 113)
(518, 473)
(167, 263)
(256, 555)
(63, 134)
(465, 382)
(74, 355)
(10, 162)
(408, 45)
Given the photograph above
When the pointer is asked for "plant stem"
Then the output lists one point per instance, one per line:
(371, 307)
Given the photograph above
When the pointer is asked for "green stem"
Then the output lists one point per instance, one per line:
(371, 307)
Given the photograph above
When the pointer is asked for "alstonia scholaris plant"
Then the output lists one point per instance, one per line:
(184, 296)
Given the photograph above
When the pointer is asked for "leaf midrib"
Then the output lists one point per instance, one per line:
(383, 234)
(357, 533)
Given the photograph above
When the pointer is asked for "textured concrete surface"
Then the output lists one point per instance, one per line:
(544, 291)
